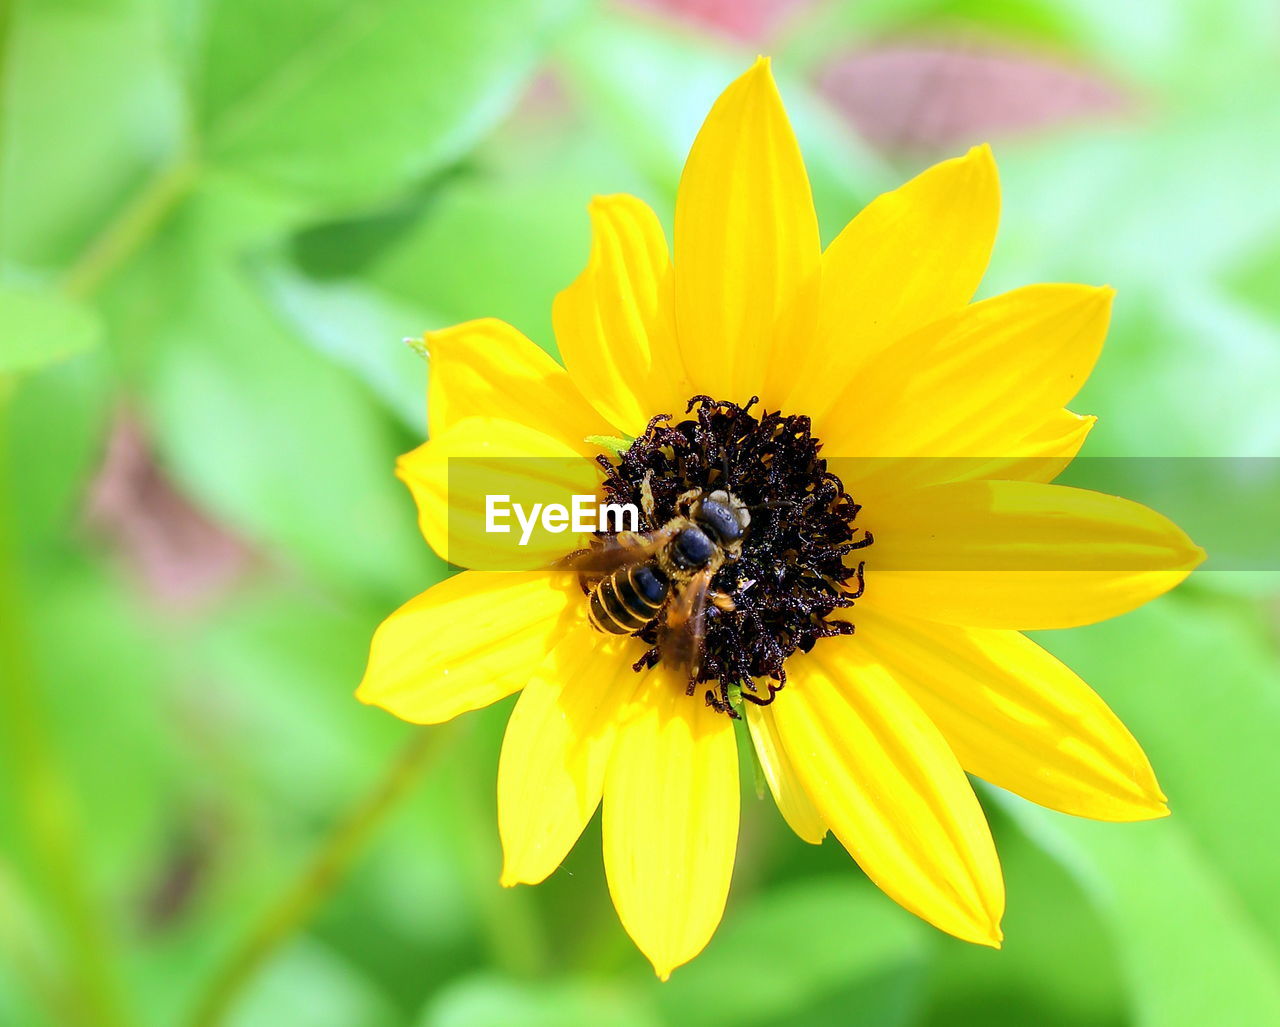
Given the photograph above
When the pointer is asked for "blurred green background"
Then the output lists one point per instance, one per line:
(218, 219)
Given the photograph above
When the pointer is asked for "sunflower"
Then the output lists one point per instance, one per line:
(894, 444)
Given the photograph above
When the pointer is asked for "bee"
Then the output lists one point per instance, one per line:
(666, 573)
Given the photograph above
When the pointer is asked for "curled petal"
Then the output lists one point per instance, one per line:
(614, 323)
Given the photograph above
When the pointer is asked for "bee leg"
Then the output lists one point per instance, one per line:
(650, 659)
(720, 701)
(686, 499)
(723, 602)
(586, 582)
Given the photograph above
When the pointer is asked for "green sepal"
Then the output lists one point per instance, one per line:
(735, 700)
(617, 445)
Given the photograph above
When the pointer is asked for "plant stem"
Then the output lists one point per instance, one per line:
(325, 871)
(512, 928)
(6, 34)
(130, 228)
(26, 948)
(47, 804)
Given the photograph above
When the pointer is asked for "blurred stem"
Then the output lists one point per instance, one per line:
(6, 33)
(512, 926)
(47, 806)
(26, 948)
(330, 863)
(130, 228)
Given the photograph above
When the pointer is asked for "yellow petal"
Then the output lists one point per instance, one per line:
(976, 383)
(746, 241)
(453, 475)
(891, 790)
(1002, 554)
(615, 324)
(1017, 717)
(465, 643)
(1043, 453)
(557, 747)
(1040, 456)
(486, 368)
(910, 257)
(793, 801)
(670, 821)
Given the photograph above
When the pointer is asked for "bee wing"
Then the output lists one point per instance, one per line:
(622, 550)
(686, 625)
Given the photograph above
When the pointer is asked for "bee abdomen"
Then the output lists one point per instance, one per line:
(627, 600)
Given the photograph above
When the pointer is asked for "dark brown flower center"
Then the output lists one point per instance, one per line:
(798, 561)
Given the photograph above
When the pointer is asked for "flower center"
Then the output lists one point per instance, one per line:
(769, 589)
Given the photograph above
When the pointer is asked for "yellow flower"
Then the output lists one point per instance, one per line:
(949, 418)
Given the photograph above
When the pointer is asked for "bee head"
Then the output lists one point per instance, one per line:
(693, 548)
(722, 516)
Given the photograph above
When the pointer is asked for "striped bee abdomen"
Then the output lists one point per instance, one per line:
(628, 599)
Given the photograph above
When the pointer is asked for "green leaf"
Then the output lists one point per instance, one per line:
(40, 327)
(1193, 47)
(1162, 219)
(25, 951)
(1188, 369)
(263, 431)
(486, 1000)
(1189, 951)
(811, 952)
(318, 987)
(502, 241)
(652, 87)
(1041, 20)
(348, 102)
(90, 103)
(105, 688)
(51, 477)
(1190, 900)
(1057, 967)
(289, 663)
(362, 329)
